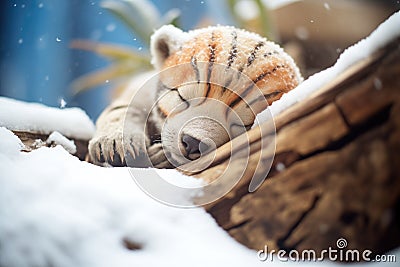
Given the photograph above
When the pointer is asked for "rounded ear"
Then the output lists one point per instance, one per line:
(164, 42)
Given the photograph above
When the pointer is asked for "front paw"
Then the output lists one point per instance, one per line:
(116, 148)
(158, 158)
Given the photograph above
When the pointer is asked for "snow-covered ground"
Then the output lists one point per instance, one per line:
(34, 117)
(58, 211)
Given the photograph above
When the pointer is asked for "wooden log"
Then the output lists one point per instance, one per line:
(35, 140)
(335, 170)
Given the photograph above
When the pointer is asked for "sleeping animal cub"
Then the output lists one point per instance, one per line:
(206, 89)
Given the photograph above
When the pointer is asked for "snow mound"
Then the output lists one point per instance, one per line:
(59, 211)
(59, 139)
(10, 144)
(384, 34)
(71, 213)
(34, 117)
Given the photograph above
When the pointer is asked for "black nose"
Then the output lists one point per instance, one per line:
(193, 145)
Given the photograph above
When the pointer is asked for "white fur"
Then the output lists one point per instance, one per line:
(172, 37)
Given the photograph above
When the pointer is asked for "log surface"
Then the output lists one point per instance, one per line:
(33, 141)
(335, 172)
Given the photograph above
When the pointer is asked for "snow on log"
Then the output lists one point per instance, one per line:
(58, 211)
(335, 170)
(34, 123)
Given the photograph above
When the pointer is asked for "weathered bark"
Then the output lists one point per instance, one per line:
(36, 140)
(335, 172)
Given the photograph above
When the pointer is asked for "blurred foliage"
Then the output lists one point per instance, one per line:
(258, 22)
(125, 62)
(142, 17)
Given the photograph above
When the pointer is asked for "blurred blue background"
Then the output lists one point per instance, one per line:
(36, 62)
(38, 65)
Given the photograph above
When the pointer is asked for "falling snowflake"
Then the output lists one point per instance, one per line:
(280, 167)
(377, 84)
(302, 33)
(110, 27)
(63, 103)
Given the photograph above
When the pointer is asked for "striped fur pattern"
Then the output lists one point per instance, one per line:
(211, 84)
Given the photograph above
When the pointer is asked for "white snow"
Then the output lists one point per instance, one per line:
(386, 32)
(59, 139)
(63, 103)
(34, 117)
(58, 211)
(12, 145)
(179, 179)
(275, 4)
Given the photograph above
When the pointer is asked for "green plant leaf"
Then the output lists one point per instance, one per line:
(146, 13)
(111, 51)
(126, 14)
(124, 69)
(171, 17)
(264, 19)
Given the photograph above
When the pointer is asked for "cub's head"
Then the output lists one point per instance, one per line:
(211, 85)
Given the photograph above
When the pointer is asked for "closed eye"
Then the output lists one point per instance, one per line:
(237, 129)
(171, 102)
